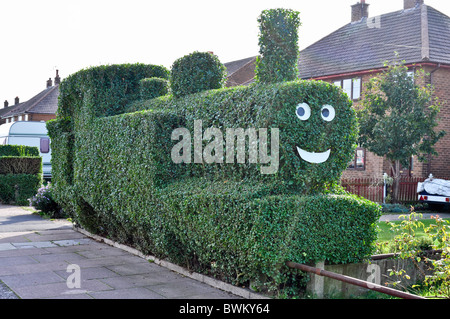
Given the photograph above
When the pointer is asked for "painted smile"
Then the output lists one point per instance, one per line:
(315, 158)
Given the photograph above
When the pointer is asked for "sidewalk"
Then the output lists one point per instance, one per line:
(49, 259)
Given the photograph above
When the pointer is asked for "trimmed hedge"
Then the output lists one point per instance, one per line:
(271, 106)
(116, 176)
(196, 72)
(20, 165)
(278, 42)
(20, 173)
(106, 89)
(18, 188)
(153, 87)
(18, 150)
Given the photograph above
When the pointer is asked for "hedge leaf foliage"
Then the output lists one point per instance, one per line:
(196, 72)
(278, 42)
(20, 173)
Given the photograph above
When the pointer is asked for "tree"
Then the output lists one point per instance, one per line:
(398, 118)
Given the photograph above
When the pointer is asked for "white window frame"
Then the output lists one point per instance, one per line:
(355, 86)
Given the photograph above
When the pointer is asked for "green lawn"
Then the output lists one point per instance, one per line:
(386, 234)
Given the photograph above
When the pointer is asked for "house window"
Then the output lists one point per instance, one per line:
(359, 161)
(350, 86)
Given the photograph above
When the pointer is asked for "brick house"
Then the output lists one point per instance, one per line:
(41, 107)
(353, 54)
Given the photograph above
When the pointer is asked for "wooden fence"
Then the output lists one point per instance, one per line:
(373, 188)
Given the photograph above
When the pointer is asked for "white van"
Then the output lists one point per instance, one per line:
(29, 134)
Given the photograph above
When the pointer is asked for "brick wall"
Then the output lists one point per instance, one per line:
(42, 117)
(440, 165)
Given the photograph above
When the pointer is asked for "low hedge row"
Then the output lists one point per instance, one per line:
(18, 188)
(240, 232)
(20, 173)
(21, 165)
(18, 150)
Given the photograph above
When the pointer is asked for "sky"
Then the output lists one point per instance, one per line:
(38, 37)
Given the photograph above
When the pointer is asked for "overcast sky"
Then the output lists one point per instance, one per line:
(39, 36)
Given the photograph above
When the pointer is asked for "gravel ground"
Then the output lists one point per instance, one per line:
(6, 293)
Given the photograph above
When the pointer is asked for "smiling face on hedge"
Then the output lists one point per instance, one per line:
(327, 114)
(318, 133)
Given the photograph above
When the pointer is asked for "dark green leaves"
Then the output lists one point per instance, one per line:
(278, 41)
(196, 72)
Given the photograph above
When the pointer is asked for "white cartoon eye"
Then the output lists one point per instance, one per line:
(303, 111)
(328, 113)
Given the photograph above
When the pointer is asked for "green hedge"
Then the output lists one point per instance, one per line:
(240, 232)
(18, 188)
(271, 106)
(21, 165)
(116, 176)
(106, 89)
(153, 87)
(20, 173)
(278, 42)
(196, 72)
(18, 150)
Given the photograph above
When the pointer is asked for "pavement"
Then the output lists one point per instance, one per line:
(50, 259)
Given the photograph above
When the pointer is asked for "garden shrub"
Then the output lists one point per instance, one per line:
(43, 200)
(18, 188)
(196, 72)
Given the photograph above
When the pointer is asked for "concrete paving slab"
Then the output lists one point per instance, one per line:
(128, 293)
(31, 279)
(16, 260)
(148, 279)
(184, 288)
(134, 268)
(58, 289)
(35, 255)
(102, 273)
(7, 246)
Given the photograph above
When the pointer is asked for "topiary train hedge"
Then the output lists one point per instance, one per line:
(230, 182)
(117, 169)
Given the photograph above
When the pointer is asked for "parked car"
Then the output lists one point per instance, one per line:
(435, 192)
(29, 134)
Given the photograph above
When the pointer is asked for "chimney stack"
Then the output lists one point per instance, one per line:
(360, 11)
(49, 83)
(57, 78)
(16, 100)
(410, 4)
(6, 104)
